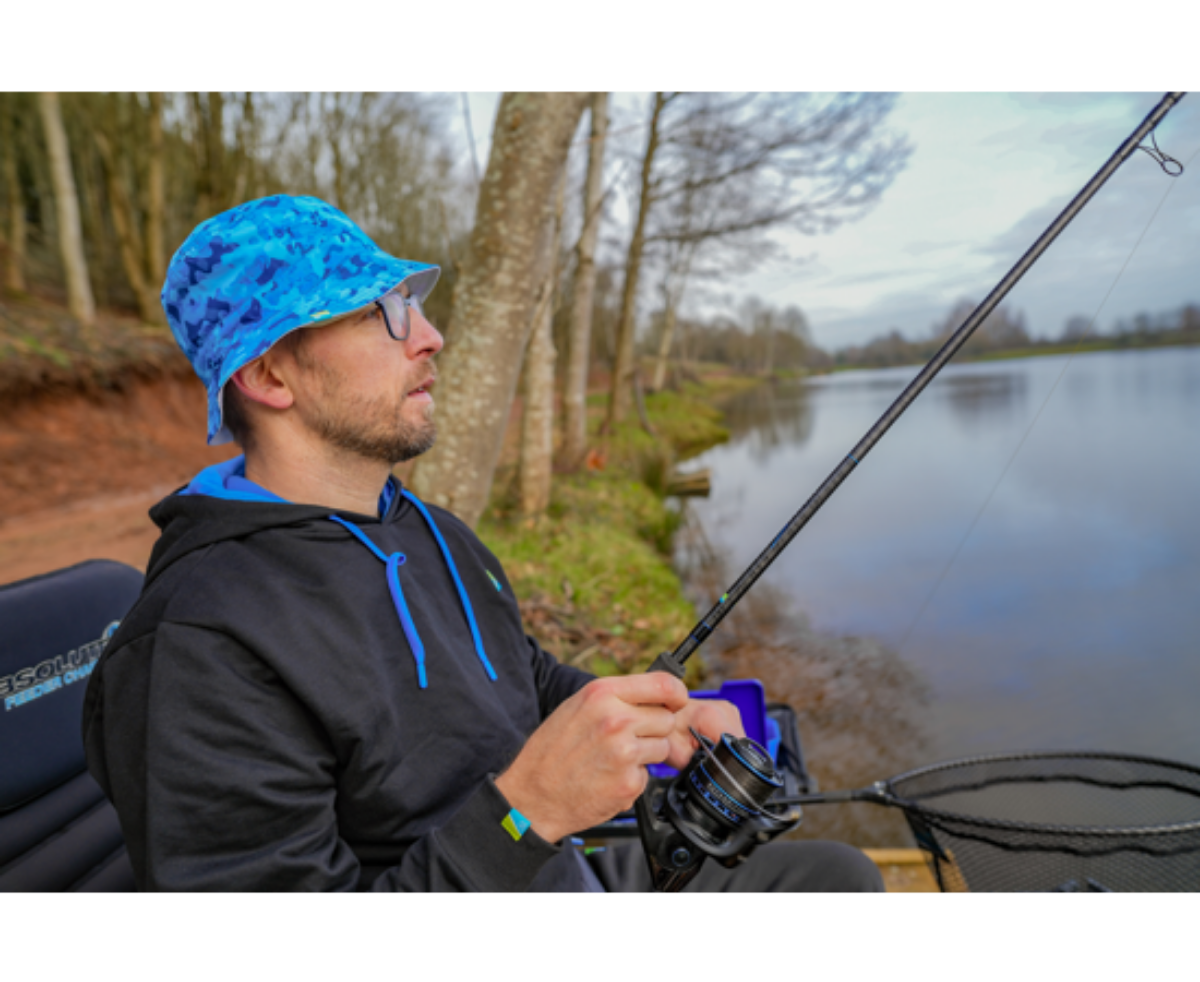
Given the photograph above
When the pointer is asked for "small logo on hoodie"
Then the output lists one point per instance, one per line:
(495, 582)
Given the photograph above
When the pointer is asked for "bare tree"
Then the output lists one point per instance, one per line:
(535, 469)
(677, 267)
(583, 293)
(143, 276)
(731, 168)
(156, 260)
(11, 142)
(494, 298)
(621, 387)
(70, 236)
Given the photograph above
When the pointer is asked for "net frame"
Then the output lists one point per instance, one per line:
(975, 852)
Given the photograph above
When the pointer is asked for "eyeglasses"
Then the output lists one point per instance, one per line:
(396, 318)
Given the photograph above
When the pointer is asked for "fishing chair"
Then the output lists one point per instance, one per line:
(57, 830)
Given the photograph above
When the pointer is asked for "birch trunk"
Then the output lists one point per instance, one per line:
(14, 270)
(621, 392)
(66, 200)
(583, 296)
(493, 301)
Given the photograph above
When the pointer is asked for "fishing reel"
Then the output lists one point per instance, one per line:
(719, 805)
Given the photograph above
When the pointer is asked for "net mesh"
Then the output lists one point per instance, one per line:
(1056, 821)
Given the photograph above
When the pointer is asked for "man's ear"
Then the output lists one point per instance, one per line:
(261, 381)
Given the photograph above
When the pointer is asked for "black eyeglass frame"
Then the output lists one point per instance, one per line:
(403, 303)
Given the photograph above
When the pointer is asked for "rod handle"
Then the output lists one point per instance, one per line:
(667, 662)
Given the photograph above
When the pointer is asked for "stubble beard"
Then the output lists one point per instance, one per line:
(374, 428)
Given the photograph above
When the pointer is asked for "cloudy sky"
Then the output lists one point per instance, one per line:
(987, 174)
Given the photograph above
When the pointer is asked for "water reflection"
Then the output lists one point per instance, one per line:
(1068, 618)
(770, 416)
(979, 398)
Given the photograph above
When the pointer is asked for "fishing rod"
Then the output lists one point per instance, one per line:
(720, 804)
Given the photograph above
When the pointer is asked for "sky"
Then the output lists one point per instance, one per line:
(988, 172)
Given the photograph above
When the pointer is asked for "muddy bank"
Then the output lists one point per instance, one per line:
(57, 448)
(861, 709)
(78, 471)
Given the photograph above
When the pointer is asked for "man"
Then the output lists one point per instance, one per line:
(325, 683)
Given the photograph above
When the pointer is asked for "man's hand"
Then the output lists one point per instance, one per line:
(587, 761)
(709, 717)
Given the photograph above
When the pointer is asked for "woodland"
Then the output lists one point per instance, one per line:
(571, 257)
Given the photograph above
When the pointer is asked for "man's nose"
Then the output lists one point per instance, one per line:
(424, 340)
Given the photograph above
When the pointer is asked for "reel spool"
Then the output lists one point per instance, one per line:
(719, 805)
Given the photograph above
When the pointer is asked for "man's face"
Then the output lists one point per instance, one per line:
(362, 391)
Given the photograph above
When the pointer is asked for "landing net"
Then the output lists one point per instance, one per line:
(1086, 822)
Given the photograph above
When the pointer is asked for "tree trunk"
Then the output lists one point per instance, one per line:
(156, 194)
(128, 238)
(14, 270)
(215, 150)
(70, 239)
(493, 300)
(244, 161)
(537, 418)
(664, 344)
(622, 376)
(583, 295)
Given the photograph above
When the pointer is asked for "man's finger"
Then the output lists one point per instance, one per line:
(653, 721)
(651, 689)
(653, 750)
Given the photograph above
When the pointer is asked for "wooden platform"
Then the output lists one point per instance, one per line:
(904, 870)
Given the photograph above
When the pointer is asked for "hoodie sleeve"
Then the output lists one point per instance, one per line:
(224, 780)
(555, 681)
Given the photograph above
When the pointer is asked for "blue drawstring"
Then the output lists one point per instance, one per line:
(393, 564)
(395, 560)
(462, 590)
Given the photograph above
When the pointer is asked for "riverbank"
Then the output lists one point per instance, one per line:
(595, 572)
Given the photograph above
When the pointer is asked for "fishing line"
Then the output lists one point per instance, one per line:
(1163, 161)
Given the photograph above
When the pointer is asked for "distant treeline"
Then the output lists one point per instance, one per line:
(1006, 331)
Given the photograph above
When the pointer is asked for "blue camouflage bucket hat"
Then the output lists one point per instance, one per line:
(245, 278)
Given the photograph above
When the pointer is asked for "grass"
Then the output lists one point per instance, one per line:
(594, 574)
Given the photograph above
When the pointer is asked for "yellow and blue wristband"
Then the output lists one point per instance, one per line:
(515, 824)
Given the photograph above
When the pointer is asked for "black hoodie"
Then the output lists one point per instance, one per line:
(258, 722)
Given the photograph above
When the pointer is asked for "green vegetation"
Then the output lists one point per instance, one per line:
(1119, 343)
(594, 575)
(1038, 350)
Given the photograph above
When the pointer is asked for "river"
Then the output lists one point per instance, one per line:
(1070, 616)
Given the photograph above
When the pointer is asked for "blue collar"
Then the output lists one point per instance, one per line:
(228, 481)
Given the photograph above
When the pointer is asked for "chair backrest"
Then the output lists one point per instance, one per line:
(57, 830)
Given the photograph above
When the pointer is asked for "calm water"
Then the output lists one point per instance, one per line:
(1071, 616)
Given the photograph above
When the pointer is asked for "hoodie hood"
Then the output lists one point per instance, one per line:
(256, 507)
(219, 503)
